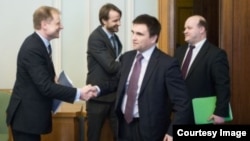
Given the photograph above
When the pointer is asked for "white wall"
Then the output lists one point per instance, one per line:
(79, 18)
(15, 25)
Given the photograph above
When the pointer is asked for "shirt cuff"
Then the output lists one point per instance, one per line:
(98, 90)
(78, 94)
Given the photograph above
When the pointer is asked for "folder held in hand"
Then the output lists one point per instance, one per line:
(65, 81)
(204, 107)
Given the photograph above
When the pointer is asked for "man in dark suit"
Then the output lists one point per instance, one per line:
(208, 71)
(29, 113)
(161, 89)
(103, 66)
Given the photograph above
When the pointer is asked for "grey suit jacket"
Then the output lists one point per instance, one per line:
(102, 64)
(209, 75)
(29, 109)
(163, 91)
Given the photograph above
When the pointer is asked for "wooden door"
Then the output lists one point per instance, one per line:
(233, 36)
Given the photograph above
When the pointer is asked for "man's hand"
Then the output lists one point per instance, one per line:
(217, 119)
(168, 138)
(88, 92)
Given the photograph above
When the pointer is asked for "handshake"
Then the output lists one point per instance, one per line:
(88, 92)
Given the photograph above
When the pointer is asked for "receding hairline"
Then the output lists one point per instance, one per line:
(198, 18)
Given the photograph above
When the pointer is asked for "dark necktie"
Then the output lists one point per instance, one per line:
(132, 89)
(185, 65)
(50, 50)
(114, 43)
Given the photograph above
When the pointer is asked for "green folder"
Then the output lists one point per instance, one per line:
(204, 107)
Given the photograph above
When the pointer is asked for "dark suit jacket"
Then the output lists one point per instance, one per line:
(102, 67)
(208, 75)
(30, 105)
(163, 91)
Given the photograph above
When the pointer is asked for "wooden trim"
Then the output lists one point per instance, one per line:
(9, 91)
(226, 26)
(167, 19)
(226, 39)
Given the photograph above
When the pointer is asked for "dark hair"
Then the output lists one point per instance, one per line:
(104, 11)
(153, 25)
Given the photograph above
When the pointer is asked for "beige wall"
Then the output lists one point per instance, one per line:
(79, 18)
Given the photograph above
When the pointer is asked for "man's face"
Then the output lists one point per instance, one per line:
(52, 28)
(141, 37)
(113, 22)
(192, 31)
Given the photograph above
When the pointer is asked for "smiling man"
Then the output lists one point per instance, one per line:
(104, 47)
(29, 113)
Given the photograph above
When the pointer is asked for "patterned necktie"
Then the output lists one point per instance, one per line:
(185, 65)
(114, 43)
(132, 89)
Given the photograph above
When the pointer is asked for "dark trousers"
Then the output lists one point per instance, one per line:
(97, 113)
(21, 136)
(130, 132)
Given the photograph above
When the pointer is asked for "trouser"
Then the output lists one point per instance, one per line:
(97, 114)
(21, 136)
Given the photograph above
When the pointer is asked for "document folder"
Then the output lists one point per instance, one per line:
(204, 107)
(65, 81)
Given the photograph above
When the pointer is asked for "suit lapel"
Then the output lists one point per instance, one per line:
(181, 54)
(152, 66)
(119, 44)
(126, 66)
(45, 54)
(107, 40)
(199, 58)
(43, 47)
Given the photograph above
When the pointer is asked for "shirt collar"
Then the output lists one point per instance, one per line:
(199, 44)
(45, 41)
(147, 53)
(108, 33)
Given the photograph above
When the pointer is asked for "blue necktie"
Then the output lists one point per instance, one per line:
(114, 43)
(50, 51)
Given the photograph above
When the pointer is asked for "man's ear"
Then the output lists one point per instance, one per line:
(154, 38)
(43, 24)
(104, 21)
(202, 29)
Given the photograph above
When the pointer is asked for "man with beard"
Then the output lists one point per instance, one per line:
(104, 47)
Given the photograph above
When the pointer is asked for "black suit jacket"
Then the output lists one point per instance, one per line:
(163, 91)
(30, 105)
(208, 75)
(102, 64)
